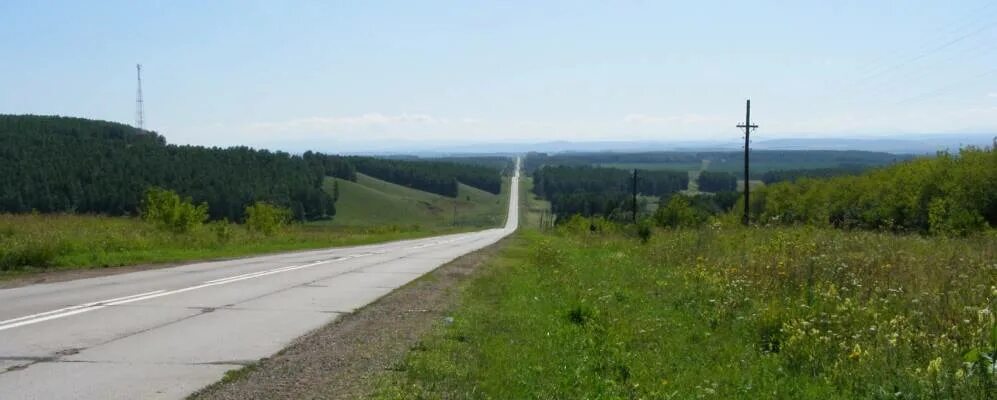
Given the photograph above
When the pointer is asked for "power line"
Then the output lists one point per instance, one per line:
(963, 23)
(928, 52)
(944, 89)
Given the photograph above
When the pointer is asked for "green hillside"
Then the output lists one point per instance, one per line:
(372, 202)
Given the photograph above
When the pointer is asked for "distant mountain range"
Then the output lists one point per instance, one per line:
(912, 144)
(897, 144)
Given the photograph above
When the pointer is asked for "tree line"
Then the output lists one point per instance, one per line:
(440, 177)
(945, 194)
(590, 191)
(62, 164)
(771, 159)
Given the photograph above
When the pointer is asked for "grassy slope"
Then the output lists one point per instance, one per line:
(717, 313)
(36, 243)
(370, 201)
(532, 207)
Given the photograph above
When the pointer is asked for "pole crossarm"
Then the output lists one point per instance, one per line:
(747, 126)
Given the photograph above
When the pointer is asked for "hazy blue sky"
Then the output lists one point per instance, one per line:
(367, 74)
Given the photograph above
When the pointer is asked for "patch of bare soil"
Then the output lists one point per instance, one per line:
(344, 359)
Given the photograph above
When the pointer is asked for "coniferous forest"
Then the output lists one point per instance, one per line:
(61, 164)
(600, 191)
(440, 177)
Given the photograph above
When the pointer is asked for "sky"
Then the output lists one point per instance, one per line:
(365, 75)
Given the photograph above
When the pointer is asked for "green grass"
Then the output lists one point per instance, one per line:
(368, 211)
(32, 243)
(532, 208)
(719, 312)
(370, 201)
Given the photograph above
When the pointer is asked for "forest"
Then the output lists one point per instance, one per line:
(795, 174)
(600, 191)
(948, 194)
(710, 181)
(440, 177)
(75, 165)
(945, 194)
(721, 161)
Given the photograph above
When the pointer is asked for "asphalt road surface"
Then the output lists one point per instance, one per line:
(166, 333)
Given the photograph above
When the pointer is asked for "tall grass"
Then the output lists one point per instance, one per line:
(719, 312)
(31, 242)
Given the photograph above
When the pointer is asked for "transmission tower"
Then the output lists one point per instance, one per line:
(139, 114)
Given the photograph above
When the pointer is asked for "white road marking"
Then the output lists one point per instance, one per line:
(67, 311)
(97, 305)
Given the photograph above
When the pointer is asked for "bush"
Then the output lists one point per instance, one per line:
(644, 230)
(266, 218)
(679, 212)
(167, 210)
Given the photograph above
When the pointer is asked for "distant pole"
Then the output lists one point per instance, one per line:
(634, 211)
(747, 143)
(139, 113)
(455, 212)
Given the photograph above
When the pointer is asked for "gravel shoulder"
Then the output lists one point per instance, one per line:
(344, 359)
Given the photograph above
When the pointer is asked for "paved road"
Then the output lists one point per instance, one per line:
(166, 333)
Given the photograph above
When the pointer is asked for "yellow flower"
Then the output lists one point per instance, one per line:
(935, 365)
(856, 352)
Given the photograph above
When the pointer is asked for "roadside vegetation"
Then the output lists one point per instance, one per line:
(689, 303)
(172, 228)
(370, 201)
(718, 311)
(79, 193)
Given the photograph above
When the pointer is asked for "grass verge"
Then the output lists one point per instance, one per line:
(40, 243)
(371, 211)
(720, 312)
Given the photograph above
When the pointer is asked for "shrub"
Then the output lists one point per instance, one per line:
(223, 231)
(266, 218)
(679, 212)
(644, 230)
(167, 210)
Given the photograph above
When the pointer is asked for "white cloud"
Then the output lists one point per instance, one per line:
(992, 94)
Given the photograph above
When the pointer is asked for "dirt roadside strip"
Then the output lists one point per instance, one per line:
(344, 359)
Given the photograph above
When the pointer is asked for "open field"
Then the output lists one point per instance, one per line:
(718, 312)
(374, 202)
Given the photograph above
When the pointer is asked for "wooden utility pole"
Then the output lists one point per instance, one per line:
(747, 142)
(633, 214)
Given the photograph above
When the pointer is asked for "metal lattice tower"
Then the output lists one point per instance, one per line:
(139, 113)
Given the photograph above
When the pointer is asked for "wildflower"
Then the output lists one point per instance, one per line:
(935, 366)
(856, 352)
(983, 315)
(960, 374)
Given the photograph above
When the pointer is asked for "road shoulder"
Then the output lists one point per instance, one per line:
(344, 359)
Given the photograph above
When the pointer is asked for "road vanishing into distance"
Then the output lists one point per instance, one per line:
(168, 332)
